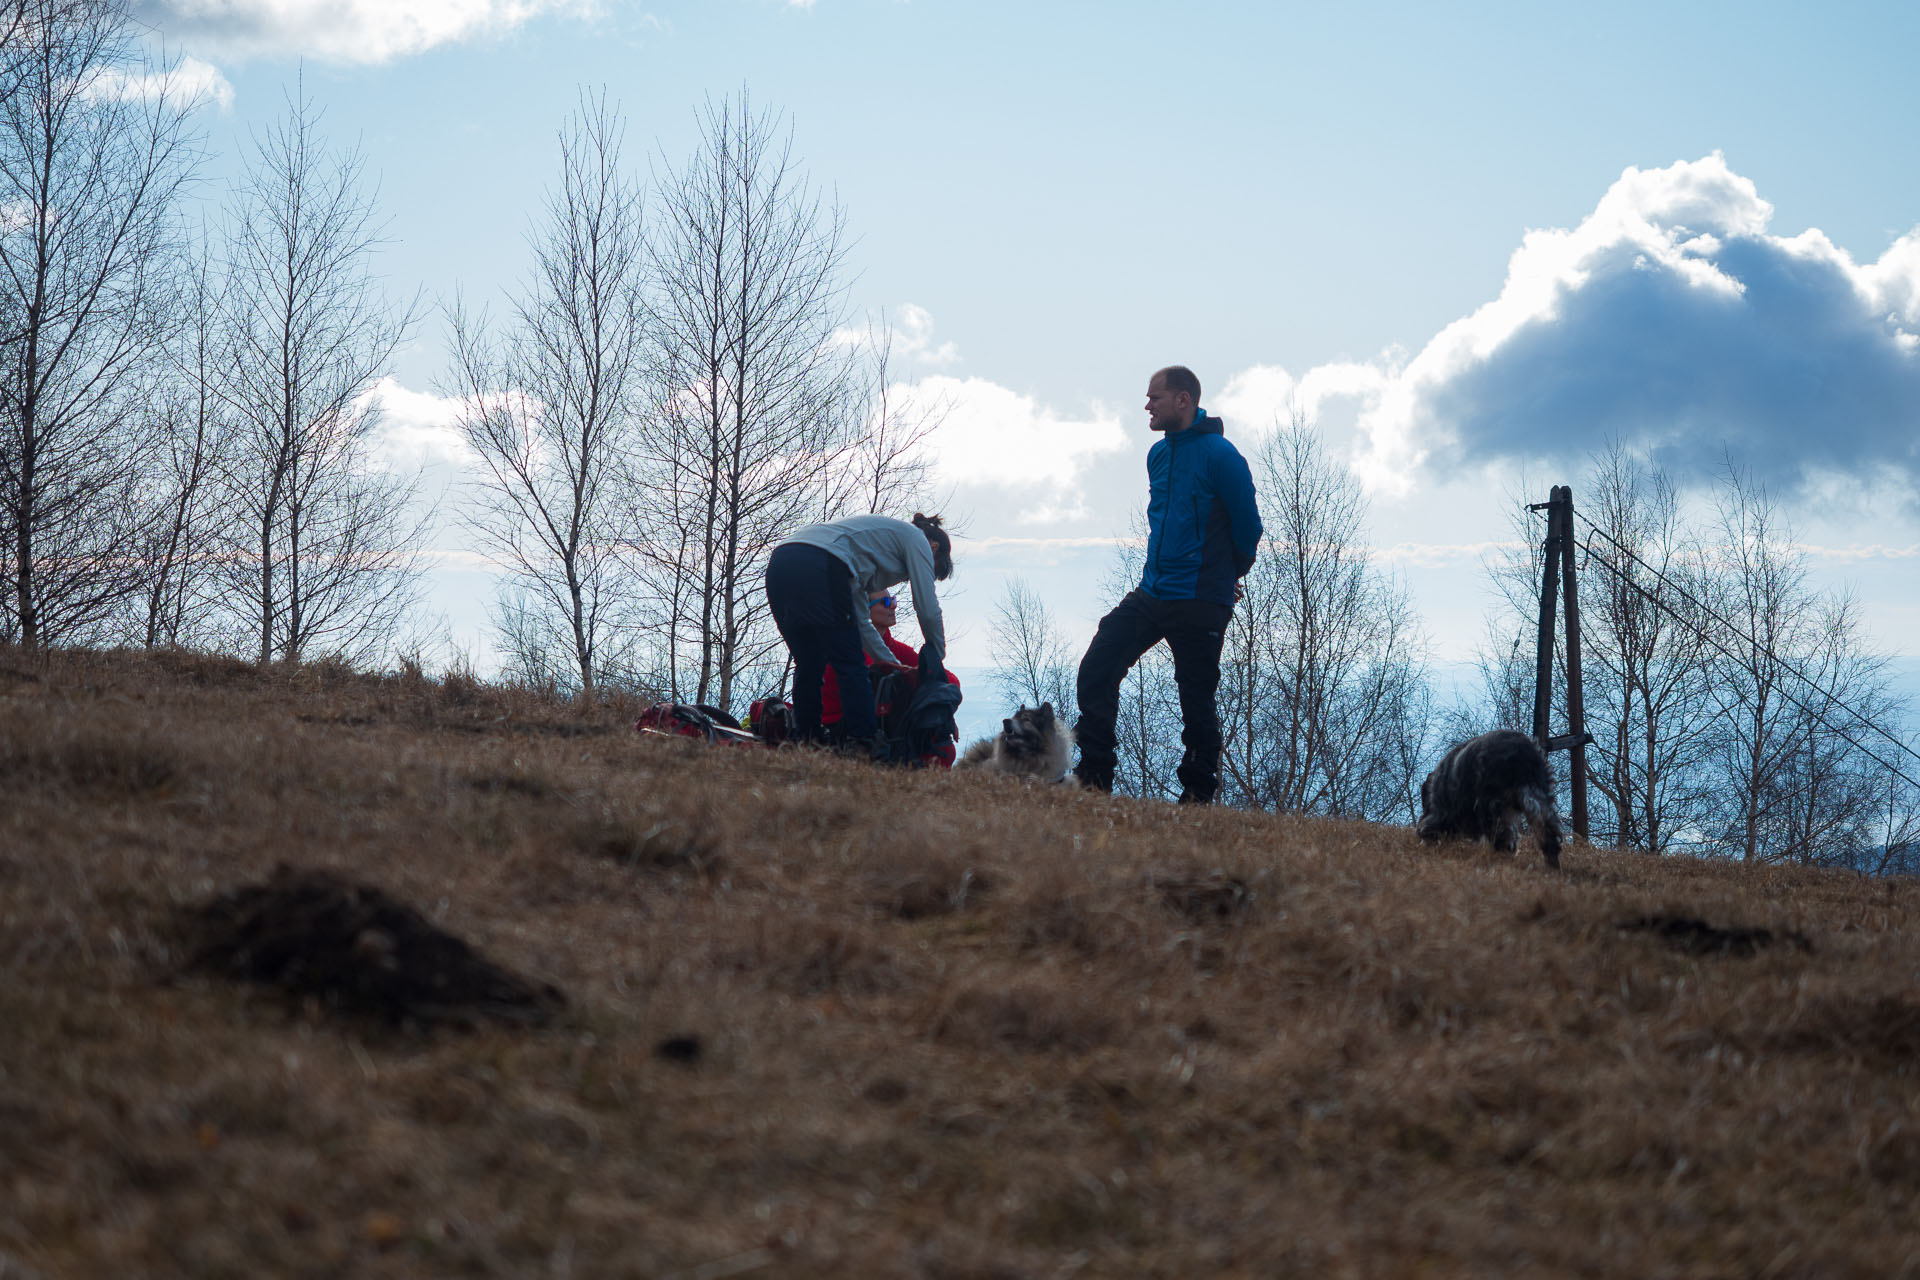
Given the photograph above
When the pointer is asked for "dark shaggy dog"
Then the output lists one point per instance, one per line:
(1484, 786)
(1032, 742)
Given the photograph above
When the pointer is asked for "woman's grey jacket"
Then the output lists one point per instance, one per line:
(882, 552)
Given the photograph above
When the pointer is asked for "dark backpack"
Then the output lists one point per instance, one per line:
(918, 710)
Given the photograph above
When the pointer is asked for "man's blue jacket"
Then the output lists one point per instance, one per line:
(1203, 526)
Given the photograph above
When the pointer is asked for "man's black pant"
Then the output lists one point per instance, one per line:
(1195, 630)
(810, 593)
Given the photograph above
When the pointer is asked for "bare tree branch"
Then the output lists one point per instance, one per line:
(88, 179)
(328, 555)
(550, 410)
(757, 415)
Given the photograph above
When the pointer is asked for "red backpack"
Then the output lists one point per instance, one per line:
(691, 720)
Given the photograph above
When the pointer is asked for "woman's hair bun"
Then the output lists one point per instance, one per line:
(942, 544)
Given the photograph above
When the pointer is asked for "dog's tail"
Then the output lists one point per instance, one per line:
(1537, 802)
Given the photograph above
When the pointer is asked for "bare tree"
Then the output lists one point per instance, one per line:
(1148, 725)
(1892, 845)
(889, 469)
(190, 430)
(1763, 597)
(1323, 678)
(533, 655)
(1149, 720)
(1822, 787)
(1731, 704)
(1806, 762)
(14, 44)
(1648, 661)
(1032, 662)
(94, 149)
(328, 554)
(1829, 814)
(550, 412)
(757, 413)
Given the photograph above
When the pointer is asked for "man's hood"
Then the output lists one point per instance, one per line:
(1205, 425)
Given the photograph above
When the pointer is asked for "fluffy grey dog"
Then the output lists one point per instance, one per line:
(1032, 743)
(1484, 786)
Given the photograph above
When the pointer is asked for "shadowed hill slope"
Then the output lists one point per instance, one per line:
(825, 1020)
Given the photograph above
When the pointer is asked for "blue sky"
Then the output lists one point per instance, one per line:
(1327, 202)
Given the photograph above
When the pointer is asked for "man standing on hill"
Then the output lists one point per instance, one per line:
(1203, 528)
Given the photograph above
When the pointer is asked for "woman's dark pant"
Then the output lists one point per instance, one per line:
(810, 593)
(1195, 630)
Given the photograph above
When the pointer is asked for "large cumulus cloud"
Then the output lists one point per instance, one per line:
(1673, 319)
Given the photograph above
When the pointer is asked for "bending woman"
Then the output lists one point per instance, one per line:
(818, 583)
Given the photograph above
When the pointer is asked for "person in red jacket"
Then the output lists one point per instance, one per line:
(883, 611)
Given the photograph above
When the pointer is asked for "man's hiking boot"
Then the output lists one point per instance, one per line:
(1092, 779)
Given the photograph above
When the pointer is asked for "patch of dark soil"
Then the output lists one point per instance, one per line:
(351, 722)
(1210, 898)
(1698, 938)
(885, 1090)
(685, 1050)
(313, 933)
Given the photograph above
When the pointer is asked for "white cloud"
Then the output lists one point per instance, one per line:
(911, 329)
(996, 438)
(1265, 396)
(997, 542)
(1861, 552)
(416, 428)
(913, 337)
(1433, 555)
(188, 80)
(1671, 319)
(365, 31)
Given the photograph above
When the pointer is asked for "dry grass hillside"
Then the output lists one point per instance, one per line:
(759, 1014)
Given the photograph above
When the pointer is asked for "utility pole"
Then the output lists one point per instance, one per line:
(1557, 578)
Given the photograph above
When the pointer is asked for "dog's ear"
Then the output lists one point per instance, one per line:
(1045, 712)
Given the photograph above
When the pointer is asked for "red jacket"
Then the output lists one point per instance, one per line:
(830, 691)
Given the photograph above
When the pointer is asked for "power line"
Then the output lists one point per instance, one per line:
(1780, 662)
